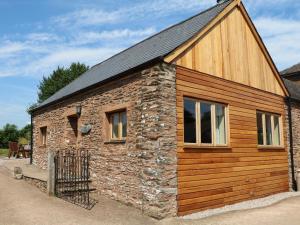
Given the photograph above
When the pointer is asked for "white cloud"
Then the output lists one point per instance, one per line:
(65, 57)
(9, 48)
(281, 37)
(171, 6)
(40, 53)
(86, 17)
(269, 26)
(42, 37)
(92, 37)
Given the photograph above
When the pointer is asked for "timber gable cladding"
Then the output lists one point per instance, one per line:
(232, 49)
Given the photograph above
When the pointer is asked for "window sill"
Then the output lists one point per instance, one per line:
(206, 147)
(271, 147)
(115, 142)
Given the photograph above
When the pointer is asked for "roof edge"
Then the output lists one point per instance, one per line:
(286, 75)
(132, 70)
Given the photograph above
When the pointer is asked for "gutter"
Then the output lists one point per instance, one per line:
(294, 182)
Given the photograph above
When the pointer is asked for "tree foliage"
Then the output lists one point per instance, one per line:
(25, 132)
(58, 79)
(10, 132)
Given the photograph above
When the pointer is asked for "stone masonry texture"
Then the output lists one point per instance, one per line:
(296, 137)
(140, 172)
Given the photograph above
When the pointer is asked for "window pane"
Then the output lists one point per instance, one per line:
(124, 124)
(205, 110)
(276, 131)
(189, 121)
(268, 129)
(220, 125)
(115, 125)
(260, 133)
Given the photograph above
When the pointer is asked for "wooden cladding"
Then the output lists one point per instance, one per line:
(231, 50)
(210, 177)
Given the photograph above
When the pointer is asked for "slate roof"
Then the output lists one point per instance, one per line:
(154, 47)
(293, 88)
(291, 71)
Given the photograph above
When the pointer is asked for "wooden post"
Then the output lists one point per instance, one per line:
(51, 174)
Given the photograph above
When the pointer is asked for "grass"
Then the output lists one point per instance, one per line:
(3, 152)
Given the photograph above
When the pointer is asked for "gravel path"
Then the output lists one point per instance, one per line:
(257, 203)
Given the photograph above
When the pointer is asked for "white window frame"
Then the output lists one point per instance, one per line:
(213, 124)
(264, 145)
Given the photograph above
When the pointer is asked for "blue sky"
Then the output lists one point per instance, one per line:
(37, 36)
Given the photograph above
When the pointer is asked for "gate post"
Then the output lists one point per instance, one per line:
(51, 174)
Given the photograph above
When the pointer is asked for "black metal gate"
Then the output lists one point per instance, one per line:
(72, 177)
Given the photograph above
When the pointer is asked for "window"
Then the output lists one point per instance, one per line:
(72, 130)
(268, 129)
(43, 136)
(205, 123)
(118, 125)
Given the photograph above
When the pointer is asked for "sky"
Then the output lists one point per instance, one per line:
(38, 36)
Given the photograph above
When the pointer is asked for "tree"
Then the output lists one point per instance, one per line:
(8, 133)
(25, 132)
(59, 79)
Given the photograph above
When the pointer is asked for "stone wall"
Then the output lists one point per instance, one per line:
(296, 137)
(141, 171)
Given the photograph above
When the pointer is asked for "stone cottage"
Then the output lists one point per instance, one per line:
(189, 119)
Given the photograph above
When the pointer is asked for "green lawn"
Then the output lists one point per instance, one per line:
(3, 152)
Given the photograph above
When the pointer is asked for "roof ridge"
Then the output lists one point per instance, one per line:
(156, 34)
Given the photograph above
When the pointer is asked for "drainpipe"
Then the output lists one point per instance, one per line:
(294, 182)
(31, 138)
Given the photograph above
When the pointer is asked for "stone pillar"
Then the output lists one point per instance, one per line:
(51, 174)
(157, 141)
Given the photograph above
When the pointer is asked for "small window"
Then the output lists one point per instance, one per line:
(43, 136)
(205, 123)
(72, 130)
(118, 125)
(268, 129)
